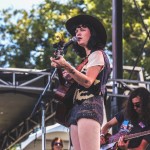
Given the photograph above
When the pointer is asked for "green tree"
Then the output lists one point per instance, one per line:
(32, 35)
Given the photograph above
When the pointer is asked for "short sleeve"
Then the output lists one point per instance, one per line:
(95, 58)
(120, 117)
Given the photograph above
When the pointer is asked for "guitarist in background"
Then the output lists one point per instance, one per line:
(86, 116)
(133, 119)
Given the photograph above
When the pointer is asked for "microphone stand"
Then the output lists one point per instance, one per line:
(41, 103)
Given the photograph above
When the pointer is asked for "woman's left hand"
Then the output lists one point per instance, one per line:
(59, 62)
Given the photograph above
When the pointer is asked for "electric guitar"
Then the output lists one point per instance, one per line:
(112, 141)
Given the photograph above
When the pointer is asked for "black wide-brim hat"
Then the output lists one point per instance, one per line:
(87, 19)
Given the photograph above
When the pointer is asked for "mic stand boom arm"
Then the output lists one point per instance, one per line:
(41, 102)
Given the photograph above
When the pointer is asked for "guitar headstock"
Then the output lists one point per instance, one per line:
(58, 49)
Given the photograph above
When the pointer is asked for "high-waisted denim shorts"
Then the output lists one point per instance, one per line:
(91, 108)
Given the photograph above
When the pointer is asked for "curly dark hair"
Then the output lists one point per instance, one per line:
(54, 140)
(144, 95)
(94, 43)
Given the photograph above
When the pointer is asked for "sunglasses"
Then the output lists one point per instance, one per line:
(137, 105)
(58, 144)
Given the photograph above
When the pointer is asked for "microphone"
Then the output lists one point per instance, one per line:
(72, 40)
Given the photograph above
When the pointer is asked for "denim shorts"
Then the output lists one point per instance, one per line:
(91, 108)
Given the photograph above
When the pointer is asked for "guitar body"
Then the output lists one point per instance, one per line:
(62, 114)
(112, 146)
(64, 95)
(112, 141)
(65, 103)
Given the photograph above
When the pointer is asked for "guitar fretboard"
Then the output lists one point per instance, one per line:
(136, 135)
(116, 137)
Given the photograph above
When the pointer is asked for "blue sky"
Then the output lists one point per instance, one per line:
(22, 4)
(19, 4)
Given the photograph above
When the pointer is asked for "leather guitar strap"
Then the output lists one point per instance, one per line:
(84, 62)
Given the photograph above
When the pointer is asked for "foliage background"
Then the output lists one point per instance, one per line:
(29, 36)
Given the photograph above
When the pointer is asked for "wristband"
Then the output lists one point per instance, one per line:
(102, 134)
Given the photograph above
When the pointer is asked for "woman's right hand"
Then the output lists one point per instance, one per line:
(102, 140)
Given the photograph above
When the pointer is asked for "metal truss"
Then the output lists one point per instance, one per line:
(13, 78)
(26, 127)
(24, 79)
(22, 130)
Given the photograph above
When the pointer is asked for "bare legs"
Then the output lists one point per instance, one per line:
(86, 135)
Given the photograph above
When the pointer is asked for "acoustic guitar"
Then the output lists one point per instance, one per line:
(112, 141)
(64, 95)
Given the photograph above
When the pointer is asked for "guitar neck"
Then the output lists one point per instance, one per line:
(116, 137)
(136, 135)
(60, 76)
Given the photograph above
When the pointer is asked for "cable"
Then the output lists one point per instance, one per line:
(148, 35)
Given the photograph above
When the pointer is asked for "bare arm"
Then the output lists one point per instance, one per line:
(106, 128)
(84, 80)
(108, 125)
